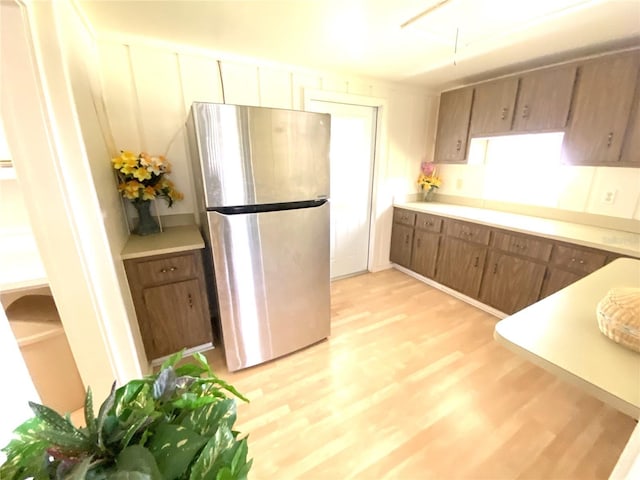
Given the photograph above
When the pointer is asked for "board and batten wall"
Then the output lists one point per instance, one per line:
(148, 89)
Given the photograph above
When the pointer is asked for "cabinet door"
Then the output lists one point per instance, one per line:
(460, 265)
(425, 253)
(631, 148)
(601, 110)
(175, 318)
(511, 283)
(544, 99)
(453, 126)
(493, 106)
(557, 279)
(401, 240)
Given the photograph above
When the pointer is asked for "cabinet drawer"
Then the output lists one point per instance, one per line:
(165, 269)
(404, 217)
(428, 222)
(577, 259)
(468, 231)
(526, 246)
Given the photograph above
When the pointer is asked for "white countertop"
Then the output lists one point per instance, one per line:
(625, 243)
(560, 334)
(171, 240)
(20, 264)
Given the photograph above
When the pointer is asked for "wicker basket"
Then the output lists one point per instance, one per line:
(619, 316)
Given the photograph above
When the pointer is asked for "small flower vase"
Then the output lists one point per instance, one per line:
(146, 223)
(428, 193)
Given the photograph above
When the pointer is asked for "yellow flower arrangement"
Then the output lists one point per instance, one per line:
(141, 177)
(428, 180)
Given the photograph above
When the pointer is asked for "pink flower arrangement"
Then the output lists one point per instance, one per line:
(428, 179)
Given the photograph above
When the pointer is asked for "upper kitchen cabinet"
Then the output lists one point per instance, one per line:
(602, 106)
(631, 147)
(493, 106)
(544, 99)
(453, 125)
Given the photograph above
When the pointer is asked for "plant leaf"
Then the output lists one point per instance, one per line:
(79, 470)
(26, 457)
(202, 361)
(217, 453)
(165, 384)
(141, 424)
(224, 385)
(207, 419)
(174, 448)
(189, 369)
(136, 458)
(89, 417)
(172, 360)
(191, 401)
(54, 420)
(102, 414)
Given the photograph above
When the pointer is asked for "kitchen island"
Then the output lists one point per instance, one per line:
(560, 334)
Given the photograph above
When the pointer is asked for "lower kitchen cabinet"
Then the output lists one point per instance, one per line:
(570, 263)
(503, 269)
(556, 279)
(511, 283)
(171, 302)
(401, 244)
(425, 253)
(460, 265)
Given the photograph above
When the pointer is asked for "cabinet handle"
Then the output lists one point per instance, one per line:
(581, 262)
(495, 268)
(458, 145)
(477, 260)
(170, 269)
(525, 111)
(406, 239)
(190, 300)
(503, 115)
(609, 139)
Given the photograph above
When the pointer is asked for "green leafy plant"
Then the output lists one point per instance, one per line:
(176, 424)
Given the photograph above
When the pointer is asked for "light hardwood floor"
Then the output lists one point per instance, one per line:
(411, 385)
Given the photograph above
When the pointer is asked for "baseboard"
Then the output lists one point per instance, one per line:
(454, 293)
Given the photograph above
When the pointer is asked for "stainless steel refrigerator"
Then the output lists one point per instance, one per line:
(262, 186)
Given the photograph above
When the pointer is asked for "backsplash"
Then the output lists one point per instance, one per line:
(534, 177)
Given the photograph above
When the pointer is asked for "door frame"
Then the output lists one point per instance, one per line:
(380, 145)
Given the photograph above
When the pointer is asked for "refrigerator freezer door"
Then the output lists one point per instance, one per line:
(256, 155)
(272, 275)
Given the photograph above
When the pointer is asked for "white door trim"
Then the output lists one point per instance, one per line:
(380, 158)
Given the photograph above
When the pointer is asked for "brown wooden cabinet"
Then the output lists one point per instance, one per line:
(453, 126)
(402, 236)
(171, 302)
(493, 106)
(631, 146)
(426, 242)
(544, 99)
(601, 110)
(504, 269)
(511, 283)
(462, 256)
(568, 264)
(460, 266)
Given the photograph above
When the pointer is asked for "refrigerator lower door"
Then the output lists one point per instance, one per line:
(272, 279)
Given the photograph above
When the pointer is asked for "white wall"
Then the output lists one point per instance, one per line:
(148, 89)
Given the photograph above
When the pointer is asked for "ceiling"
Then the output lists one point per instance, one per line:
(435, 43)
